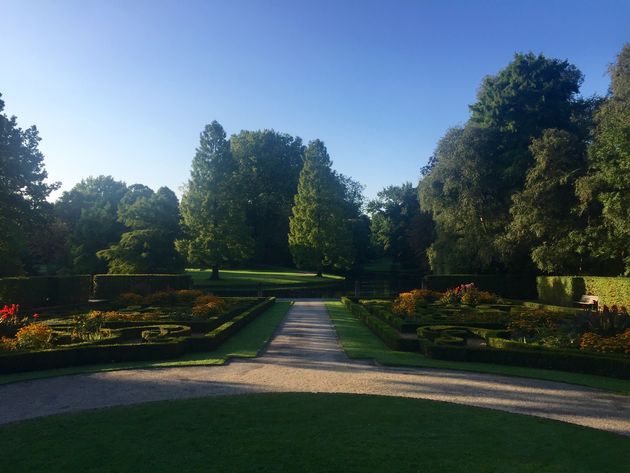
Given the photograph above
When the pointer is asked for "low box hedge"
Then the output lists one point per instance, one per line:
(96, 353)
(563, 360)
(384, 331)
(109, 286)
(45, 291)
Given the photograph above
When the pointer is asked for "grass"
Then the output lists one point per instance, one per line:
(359, 342)
(268, 278)
(307, 433)
(247, 343)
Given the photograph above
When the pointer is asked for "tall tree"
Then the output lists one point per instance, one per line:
(319, 232)
(544, 223)
(23, 190)
(90, 211)
(269, 165)
(149, 245)
(213, 206)
(605, 191)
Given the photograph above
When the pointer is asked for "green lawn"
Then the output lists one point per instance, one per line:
(359, 342)
(251, 278)
(308, 433)
(247, 343)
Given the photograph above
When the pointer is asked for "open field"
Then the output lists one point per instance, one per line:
(242, 278)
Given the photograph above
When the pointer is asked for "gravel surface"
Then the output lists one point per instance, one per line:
(305, 356)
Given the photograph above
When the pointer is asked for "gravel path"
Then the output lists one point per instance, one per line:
(305, 356)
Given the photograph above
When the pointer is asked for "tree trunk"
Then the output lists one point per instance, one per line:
(215, 272)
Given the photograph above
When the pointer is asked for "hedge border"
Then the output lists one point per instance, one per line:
(87, 355)
(110, 286)
(45, 291)
(565, 290)
(511, 286)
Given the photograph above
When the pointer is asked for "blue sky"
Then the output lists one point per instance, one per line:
(125, 87)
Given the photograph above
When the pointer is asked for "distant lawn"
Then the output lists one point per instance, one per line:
(268, 278)
(359, 342)
(308, 433)
(246, 343)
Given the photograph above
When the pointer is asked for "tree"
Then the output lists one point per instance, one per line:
(319, 232)
(213, 206)
(398, 225)
(605, 191)
(544, 222)
(149, 246)
(462, 192)
(23, 190)
(90, 211)
(269, 165)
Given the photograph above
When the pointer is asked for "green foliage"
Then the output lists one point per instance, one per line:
(213, 206)
(605, 191)
(399, 228)
(90, 212)
(41, 291)
(564, 290)
(319, 232)
(23, 191)
(542, 219)
(149, 247)
(269, 165)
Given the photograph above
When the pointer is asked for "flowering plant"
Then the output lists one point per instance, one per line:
(468, 294)
(11, 321)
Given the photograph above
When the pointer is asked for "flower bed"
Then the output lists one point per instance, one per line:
(138, 334)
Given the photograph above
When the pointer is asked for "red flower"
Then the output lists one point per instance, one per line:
(36, 316)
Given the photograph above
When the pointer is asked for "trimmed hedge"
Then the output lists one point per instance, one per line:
(512, 286)
(95, 354)
(45, 291)
(109, 286)
(386, 333)
(565, 290)
(551, 359)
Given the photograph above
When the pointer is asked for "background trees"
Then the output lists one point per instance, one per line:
(319, 232)
(152, 219)
(23, 191)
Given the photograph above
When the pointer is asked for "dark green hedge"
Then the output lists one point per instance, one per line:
(564, 290)
(512, 286)
(550, 359)
(45, 291)
(385, 332)
(95, 354)
(109, 286)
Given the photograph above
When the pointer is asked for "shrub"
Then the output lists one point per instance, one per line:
(161, 298)
(40, 291)
(564, 290)
(208, 306)
(130, 298)
(34, 336)
(514, 286)
(534, 323)
(87, 326)
(11, 320)
(8, 344)
(407, 303)
(111, 315)
(619, 343)
(188, 295)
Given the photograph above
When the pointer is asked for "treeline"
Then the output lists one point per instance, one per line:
(536, 181)
(237, 207)
(538, 178)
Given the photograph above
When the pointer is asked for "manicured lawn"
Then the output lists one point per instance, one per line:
(308, 433)
(247, 343)
(359, 342)
(244, 278)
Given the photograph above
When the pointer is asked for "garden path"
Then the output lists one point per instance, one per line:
(305, 356)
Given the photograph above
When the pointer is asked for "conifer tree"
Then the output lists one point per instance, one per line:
(319, 233)
(212, 206)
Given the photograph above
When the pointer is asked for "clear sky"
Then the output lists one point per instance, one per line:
(125, 87)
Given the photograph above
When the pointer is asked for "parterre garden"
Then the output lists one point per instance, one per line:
(466, 324)
(130, 327)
